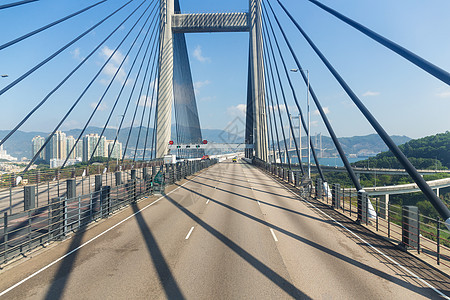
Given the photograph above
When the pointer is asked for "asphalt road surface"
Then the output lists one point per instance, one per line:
(231, 232)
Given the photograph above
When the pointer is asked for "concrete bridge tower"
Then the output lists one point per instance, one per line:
(174, 60)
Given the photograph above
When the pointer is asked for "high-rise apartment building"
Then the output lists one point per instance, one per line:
(116, 153)
(77, 151)
(56, 147)
(89, 143)
(36, 143)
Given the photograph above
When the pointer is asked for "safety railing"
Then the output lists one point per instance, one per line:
(402, 225)
(52, 183)
(35, 176)
(24, 231)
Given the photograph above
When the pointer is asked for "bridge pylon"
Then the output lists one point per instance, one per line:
(172, 22)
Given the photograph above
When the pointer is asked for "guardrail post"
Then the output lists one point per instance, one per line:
(5, 236)
(319, 188)
(410, 227)
(363, 208)
(105, 201)
(118, 175)
(98, 183)
(133, 174)
(71, 188)
(438, 241)
(384, 200)
(336, 196)
(296, 178)
(172, 173)
(153, 172)
(29, 194)
(59, 218)
(144, 173)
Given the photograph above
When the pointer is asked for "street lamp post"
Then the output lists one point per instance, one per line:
(309, 121)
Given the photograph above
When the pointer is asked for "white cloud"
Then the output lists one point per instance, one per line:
(207, 99)
(238, 110)
(326, 110)
(102, 106)
(199, 55)
(282, 108)
(314, 123)
(371, 94)
(200, 84)
(113, 65)
(76, 53)
(149, 101)
(444, 94)
(117, 57)
(71, 124)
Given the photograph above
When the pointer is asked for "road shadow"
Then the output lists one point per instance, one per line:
(421, 269)
(62, 276)
(281, 282)
(255, 200)
(165, 275)
(419, 290)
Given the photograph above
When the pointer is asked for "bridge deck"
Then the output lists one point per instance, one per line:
(231, 232)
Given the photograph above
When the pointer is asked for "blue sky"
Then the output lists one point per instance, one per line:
(404, 99)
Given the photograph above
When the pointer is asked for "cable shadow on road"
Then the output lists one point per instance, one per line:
(419, 290)
(412, 263)
(242, 186)
(439, 279)
(281, 282)
(61, 277)
(245, 181)
(255, 200)
(166, 278)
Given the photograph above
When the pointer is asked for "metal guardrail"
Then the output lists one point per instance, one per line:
(52, 183)
(24, 231)
(35, 176)
(402, 225)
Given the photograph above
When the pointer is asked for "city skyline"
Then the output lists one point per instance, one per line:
(60, 145)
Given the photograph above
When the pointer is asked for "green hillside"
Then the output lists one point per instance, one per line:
(431, 152)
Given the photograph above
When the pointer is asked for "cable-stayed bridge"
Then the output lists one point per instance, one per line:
(171, 222)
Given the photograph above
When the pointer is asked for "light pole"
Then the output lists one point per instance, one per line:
(309, 121)
(117, 136)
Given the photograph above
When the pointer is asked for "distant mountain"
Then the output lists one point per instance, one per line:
(367, 145)
(361, 146)
(19, 145)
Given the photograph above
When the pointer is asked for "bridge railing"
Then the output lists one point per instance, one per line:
(38, 175)
(404, 226)
(24, 231)
(51, 183)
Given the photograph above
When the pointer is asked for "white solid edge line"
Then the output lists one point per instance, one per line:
(189, 233)
(370, 245)
(273, 234)
(89, 241)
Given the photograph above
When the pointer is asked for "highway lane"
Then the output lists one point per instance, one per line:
(231, 232)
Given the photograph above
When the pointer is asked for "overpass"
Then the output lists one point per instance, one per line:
(156, 226)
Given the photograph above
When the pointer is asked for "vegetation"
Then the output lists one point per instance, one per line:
(431, 152)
